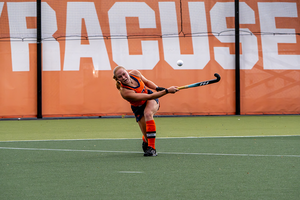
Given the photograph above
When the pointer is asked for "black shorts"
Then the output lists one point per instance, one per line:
(139, 110)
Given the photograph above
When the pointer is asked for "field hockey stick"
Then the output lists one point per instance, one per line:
(218, 78)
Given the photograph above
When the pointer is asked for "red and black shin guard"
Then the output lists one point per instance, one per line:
(151, 133)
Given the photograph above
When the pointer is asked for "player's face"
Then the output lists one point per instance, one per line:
(123, 76)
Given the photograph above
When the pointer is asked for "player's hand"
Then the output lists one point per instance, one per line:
(173, 89)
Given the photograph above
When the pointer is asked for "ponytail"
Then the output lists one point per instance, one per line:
(118, 84)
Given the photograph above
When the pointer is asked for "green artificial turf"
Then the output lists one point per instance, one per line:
(84, 159)
(195, 168)
(166, 127)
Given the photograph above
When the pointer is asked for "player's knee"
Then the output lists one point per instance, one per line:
(148, 114)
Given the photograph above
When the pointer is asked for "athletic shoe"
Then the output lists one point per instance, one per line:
(144, 146)
(150, 152)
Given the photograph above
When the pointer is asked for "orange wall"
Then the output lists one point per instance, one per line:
(77, 73)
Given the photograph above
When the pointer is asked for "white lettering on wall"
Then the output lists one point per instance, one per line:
(51, 50)
(120, 49)
(1, 7)
(218, 16)
(17, 25)
(267, 15)
(96, 48)
(171, 46)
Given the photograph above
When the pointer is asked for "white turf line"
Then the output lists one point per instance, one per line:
(138, 152)
(190, 137)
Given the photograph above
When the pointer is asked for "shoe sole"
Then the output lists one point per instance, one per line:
(152, 155)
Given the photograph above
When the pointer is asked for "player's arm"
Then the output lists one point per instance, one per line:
(130, 95)
(150, 84)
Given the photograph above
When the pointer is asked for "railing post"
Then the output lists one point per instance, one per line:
(39, 58)
(237, 59)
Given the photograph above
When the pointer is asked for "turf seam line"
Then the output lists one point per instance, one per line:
(130, 172)
(138, 152)
(67, 150)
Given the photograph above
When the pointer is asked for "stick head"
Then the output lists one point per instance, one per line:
(217, 76)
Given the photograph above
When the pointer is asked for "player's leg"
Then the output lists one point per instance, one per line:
(150, 110)
(142, 125)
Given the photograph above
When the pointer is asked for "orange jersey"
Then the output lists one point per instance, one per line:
(138, 89)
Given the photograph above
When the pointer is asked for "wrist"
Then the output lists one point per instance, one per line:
(166, 91)
(159, 89)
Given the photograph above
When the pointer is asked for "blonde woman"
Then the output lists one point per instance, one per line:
(144, 103)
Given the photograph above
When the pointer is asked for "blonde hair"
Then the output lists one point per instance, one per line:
(118, 84)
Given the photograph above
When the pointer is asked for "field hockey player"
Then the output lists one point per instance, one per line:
(144, 103)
